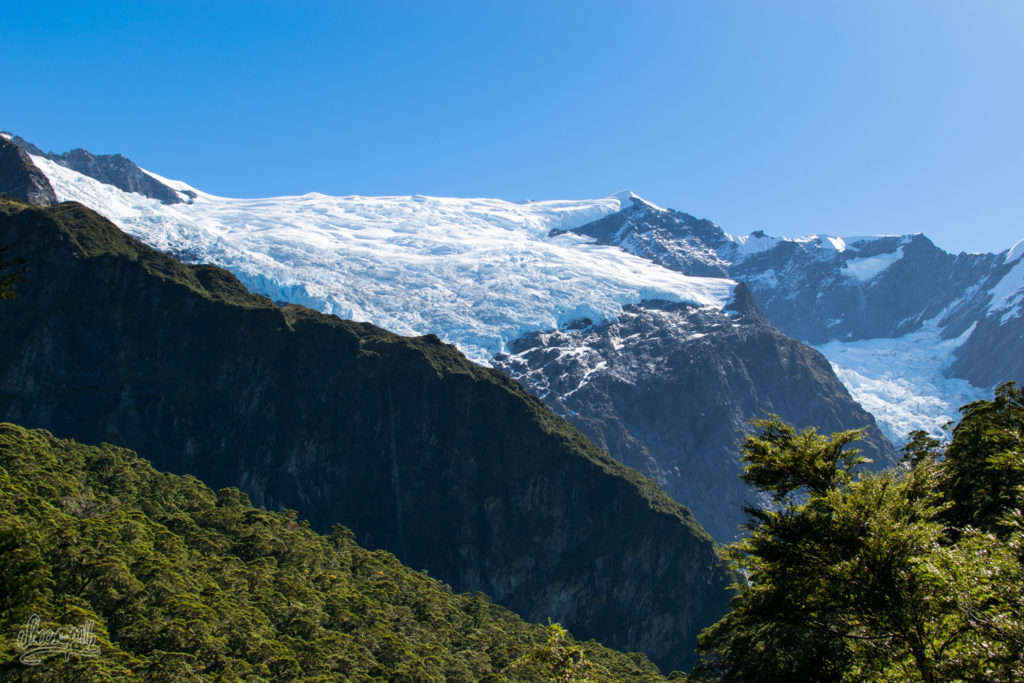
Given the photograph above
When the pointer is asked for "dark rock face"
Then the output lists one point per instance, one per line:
(993, 353)
(669, 388)
(112, 169)
(674, 239)
(451, 466)
(21, 179)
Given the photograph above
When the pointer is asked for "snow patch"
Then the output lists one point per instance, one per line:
(754, 243)
(1016, 252)
(836, 243)
(626, 197)
(864, 269)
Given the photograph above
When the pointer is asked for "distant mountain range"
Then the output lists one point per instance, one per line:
(624, 317)
(483, 274)
(844, 295)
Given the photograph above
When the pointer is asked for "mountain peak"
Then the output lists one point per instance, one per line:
(22, 179)
(629, 199)
(113, 169)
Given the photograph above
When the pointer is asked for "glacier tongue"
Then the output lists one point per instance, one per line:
(903, 381)
(477, 272)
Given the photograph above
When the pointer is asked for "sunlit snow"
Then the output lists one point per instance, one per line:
(901, 381)
(477, 272)
(482, 272)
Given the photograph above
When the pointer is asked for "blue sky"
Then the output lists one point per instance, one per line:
(835, 117)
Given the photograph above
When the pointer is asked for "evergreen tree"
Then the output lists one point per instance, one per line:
(911, 574)
(984, 463)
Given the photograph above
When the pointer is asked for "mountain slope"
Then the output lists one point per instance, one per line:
(111, 169)
(178, 582)
(480, 272)
(871, 304)
(668, 389)
(451, 466)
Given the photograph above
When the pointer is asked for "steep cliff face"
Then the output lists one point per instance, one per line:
(20, 178)
(669, 388)
(451, 466)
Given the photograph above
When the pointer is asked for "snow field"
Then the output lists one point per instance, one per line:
(477, 272)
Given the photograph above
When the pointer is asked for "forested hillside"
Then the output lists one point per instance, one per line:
(176, 582)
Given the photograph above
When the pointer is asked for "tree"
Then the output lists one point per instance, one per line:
(559, 658)
(915, 573)
(833, 583)
(984, 463)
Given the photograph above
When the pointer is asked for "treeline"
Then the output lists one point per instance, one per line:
(910, 574)
(112, 571)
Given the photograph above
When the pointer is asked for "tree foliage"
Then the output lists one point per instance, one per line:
(984, 462)
(181, 583)
(910, 574)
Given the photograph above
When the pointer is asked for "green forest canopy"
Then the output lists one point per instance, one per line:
(180, 583)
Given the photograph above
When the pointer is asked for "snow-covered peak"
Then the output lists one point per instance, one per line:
(1016, 252)
(754, 243)
(628, 199)
(476, 272)
(826, 243)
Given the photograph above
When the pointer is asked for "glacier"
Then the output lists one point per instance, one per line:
(903, 381)
(479, 273)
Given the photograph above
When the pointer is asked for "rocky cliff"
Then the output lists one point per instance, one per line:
(669, 388)
(112, 169)
(451, 466)
(20, 178)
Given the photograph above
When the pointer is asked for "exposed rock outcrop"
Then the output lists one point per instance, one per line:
(112, 169)
(669, 389)
(20, 178)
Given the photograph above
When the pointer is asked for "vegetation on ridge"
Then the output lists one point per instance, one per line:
(180, 583)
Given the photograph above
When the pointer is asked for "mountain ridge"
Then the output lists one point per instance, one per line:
(110, 340)
(830, 292)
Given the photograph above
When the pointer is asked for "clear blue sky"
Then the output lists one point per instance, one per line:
(832, 116)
